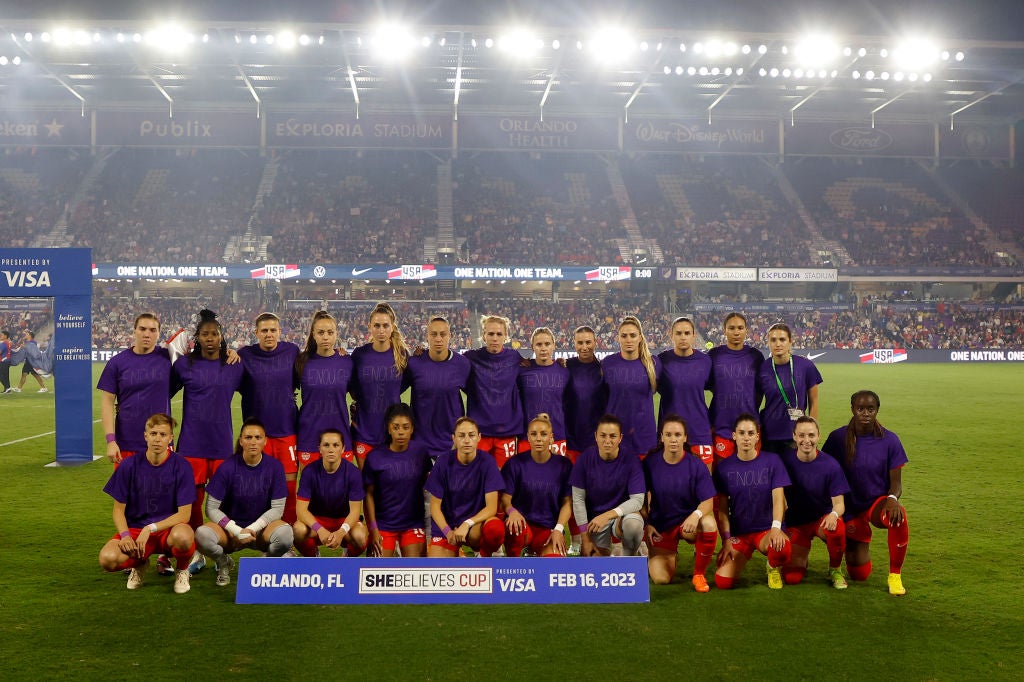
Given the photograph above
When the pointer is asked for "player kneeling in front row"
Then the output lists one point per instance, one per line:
(244, 502)
(752, 502)
(153, 498)
(816, 505)
(329, 501)
(537, 498)
(465, 484)
(680, 502)
(607, 493)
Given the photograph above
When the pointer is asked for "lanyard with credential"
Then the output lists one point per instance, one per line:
(778, 382)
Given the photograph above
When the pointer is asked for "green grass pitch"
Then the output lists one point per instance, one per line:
(61, 616)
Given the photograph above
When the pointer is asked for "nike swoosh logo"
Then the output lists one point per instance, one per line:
(812, 356)
(356, 272)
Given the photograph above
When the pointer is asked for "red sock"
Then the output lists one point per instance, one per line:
(183, 556)
(859, 573)
(515, 544)
(723, 583)
(793, 575)
(352, 549)
(308, 546)
(196, 519)
(492, 535)
(899, 538)
(835, 540)
(705, 547)
(778, 558)
(289, 516)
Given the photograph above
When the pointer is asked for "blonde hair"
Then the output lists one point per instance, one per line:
(543, 418)
(397, 340)
(504, 321)
(645, 352)
(541, 330)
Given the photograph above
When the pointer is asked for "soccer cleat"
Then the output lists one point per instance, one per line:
(43, 390)
(136, 577)
(197, 563)
(293, 553)
(700, 583)
(642, 550)
(163, 565)
(774, 578)
(15, 390)
(224, 571)
(574, 550)
(896, 584)
(838, 581)
(181, 585)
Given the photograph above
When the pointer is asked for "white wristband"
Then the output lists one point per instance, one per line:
(894, 497)
(345, 528)
(777, 525)
(233, 528)
(560, 528)
(469, 522)
(834, 512)
(699, 513)
(152, 528)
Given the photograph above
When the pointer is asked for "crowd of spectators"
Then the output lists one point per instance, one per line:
(35, 188)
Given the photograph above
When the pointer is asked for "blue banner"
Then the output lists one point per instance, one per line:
(610, 580)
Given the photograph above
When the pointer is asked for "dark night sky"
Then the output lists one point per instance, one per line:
(964, 19)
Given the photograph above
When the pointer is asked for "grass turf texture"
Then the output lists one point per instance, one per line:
(61, 616)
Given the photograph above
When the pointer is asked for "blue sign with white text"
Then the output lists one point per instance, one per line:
(337, 580)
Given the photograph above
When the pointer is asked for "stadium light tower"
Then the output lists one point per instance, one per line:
(611, 45)
(520, 42)
(392, 42)
(915, 54)
(816, 50)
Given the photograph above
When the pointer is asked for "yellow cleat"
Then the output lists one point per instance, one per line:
(896, 584)
(774, 578)
(838, 581)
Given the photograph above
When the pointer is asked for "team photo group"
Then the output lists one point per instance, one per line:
(494, 454)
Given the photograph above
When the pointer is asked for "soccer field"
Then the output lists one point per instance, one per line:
(61, 616)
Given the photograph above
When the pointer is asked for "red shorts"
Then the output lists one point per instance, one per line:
(125, 454)
(724, 447)
(157, 542)
(402, 538)
(748, 543)
(282, 449)
(444, 544)
(670, 539)
(501, 448)
(307, 458)
(362, 450)
(573, 455)
(203, 469)
(559, 446)
(705, 452)
(804, 534)
(858, 528)
(540, 537)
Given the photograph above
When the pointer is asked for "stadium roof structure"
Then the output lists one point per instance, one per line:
(479, 68)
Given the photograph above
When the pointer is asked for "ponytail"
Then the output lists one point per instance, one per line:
(645, 352)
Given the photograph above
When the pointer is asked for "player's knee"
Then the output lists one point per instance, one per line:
(724, 582)
(281, 539)
(181, 536)
(793, 575)
(859, 572)
(206, 539)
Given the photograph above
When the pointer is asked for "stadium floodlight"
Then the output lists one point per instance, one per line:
(739, 71)
(489, 43)
(611, 45)
(786, 73)
(762, 72)
(885, 75)
(855, 75)
(120, 37)
(644, 46)
(869, 75)
(679, 70)
(28, 37)
(286, 40)
(253, 39)
(269, 39)
(691, 71)
(667, 70)
(862, 52)
(745, 49)
(927, 78)
(762, 49)
(912, 77)
(305, 40)
(959, 56)
(168, 37)
(682, 47)
(816, 50)
(62, 37)
(556, 44)
(916, 53)
(898, 76)
(520, 42)
(3, 60)
(774, 73)
(45, 36)
(392, 42)
(703, 71)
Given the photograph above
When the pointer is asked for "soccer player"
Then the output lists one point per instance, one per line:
(393, 477)
(752, 502)
(872, 458)
(632, 378)
(153, 497)
(608, 492)
(209, 385)
(245, 502)
(32, 363)
(379, 379)
(685, 372)
(268, 395)
(465, 484)
(542, 383)
(585, 396)
(789, 384)
(437, 378)
(816, 505)
(5, 360)
(680, 499)
(734, 369)
(537, 497)
(324, 379)
(492, 400)
(330, 501)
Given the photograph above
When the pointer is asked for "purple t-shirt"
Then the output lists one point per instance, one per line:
(814, 484)
(206, 430)
(437, 399)
(492, 397)
(268, 390)
(151, 493)
(246, 492)
(142, 384)
(542, 389)
(681, 384)
(869, 475)
(585, 399)
(376, 386)
(607, 483)
(749, 486)
(537, 490)
(733, 385)
(631, 399)
(462, 487)
(397, 480)
(325, 383)
(775, 421)
(329, 494)
(676, 489)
